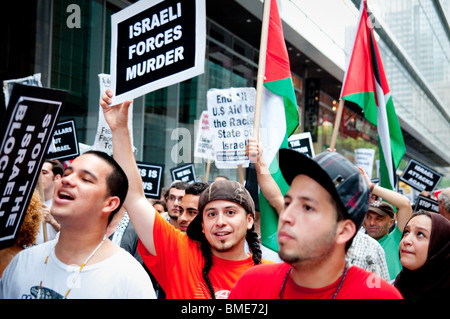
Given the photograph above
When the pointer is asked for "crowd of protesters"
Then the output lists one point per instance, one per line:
(339, 235)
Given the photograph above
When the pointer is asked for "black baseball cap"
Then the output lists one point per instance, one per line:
(336, 174)
(221, 190)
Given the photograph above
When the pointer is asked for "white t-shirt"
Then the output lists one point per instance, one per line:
(117, 277)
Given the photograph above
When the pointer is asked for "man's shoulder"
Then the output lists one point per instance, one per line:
(37, 251)
(370, 285)
(268, 269)
(392, 237)
(260, 282)
(121, 256)
(123, 264)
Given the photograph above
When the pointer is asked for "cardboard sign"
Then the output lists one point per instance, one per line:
(151, 179)
(364, 158)
(184, 173)
(155, 44)
(420, 176)
(426, 204)
(231, 114)
(302, 143)
(64, 145)
(25, 132)
(203, 142)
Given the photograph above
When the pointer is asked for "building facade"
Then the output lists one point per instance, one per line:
(44, 36)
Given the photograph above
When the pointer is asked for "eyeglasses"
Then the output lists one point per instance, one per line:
(173, 198)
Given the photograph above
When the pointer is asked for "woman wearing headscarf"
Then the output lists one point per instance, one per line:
(425, 257)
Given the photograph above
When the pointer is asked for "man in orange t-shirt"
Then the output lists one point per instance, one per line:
(179, 263)
(209, 260)
(226, 213)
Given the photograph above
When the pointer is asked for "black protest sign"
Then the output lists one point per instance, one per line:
(155, 44)
(184, 173)
(26, 131)
(420, 176)
(151, 176)
(426, 204)
(302, 143)
(64, 144)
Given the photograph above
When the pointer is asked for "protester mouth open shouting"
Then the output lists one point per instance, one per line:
(207, 262)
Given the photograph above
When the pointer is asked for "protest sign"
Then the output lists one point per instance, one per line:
(8, 85)
(26, 131)
(364, 158)
(231, 116)
(64, 144)
(103, 138)
(420, 176)
(426, 204)
(155, 44)
(151, 179)
(184, 173)
(302, 143)
(203, 143)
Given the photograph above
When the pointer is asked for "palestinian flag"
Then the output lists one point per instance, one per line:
(279, 118)
(365, 84)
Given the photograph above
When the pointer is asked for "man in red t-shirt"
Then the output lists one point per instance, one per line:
(208, 261)
(324, 207)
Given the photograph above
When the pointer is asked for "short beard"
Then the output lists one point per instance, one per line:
(310, 257)
(290, 259)
(223, 248)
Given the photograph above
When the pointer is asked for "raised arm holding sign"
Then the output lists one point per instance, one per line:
(276, 104)
(225, 222)
(141, 212)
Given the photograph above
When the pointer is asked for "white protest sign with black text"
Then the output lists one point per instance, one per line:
(231, 114)
(203, 143)
(25, 132)
(420, 176)
(364, 158)
(8, 85)
(103, 138)
(155, 44)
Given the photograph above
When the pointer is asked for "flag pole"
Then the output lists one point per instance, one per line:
(208, 167)
(241, 174)
(40, 187)
(337, 123)
(261, 67)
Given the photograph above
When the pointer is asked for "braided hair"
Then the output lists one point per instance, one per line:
(253, 243)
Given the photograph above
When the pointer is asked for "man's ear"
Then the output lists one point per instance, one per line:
(346, 229)
(391, 222)
(111, 204)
